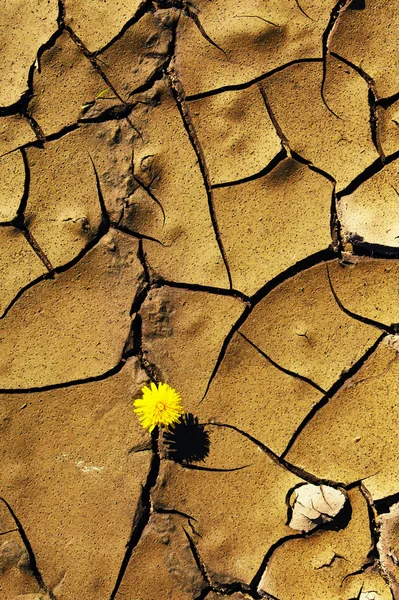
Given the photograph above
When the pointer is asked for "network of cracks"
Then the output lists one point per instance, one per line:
(202, 193)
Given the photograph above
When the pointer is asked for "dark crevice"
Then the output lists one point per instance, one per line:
(338, 9)
(302, 11)
(362, 248)
(19, 221)
(339, 522)
(32, 560)
(178, 95)
(204, 593)
(332, 391)
(139, 236)
(302, 265)
(386, 328)
(247, 84)
(17, 107)
(312, 167)
(25, 194)
(62, 132)
(36, 247)
(213, 469)
(24, 289)
(368, 172)
(265, 171)
(384, 505)
(113, 113)
(147, 189)
(281, 368)
(20, 107)
(61, 15)
(91, 57)
(229, 589)
(38, 131)
(387, 102)
(194, 287)
(105, 217)
(66, 384)
(89, 246)
(145, 7)
(142, 258)
(172, 511)
(192, 15)
(373, 554)
(143, 512)
(301, 473)
(372, 100)
(9, 531)
(335, 225)
(159, 72)
(258, 576)
(273, 118)
(258, 17)
(197, 558)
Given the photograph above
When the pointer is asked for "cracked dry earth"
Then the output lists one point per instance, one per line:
(206, 194)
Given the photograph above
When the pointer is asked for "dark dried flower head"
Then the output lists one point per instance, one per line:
(187, 441)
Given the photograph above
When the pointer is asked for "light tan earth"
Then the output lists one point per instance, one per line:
(203, 193)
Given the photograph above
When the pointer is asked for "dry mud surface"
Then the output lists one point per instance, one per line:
(203, 193)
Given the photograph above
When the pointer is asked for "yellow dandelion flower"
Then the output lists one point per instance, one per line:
(158, 406)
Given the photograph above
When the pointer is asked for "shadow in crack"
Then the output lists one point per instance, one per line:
(187, 441)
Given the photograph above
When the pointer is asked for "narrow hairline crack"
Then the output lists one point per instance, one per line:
(32, 559)
(280, 367)
(178, 94)
(251, 82)
(334, 389)
(292, 271)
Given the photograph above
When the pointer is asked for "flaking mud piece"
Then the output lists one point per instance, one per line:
(339, 442)
(315, 506)
(12, 185)
(315, 340)
(23, 33)
(258, 243)
(374, 54)
(388, 546)
(66, 82)
(326, 564)
(132, 61)
(19, 265)
(369, 214)
(232, 536)
(342, 146)
(279, 400)
(72, 481)
(183, 332)
(236, 134)
(15, 131)
(47, 337)
(368, 287)
(84, 19)
(165, 161)
(241, 41)
(162, 564)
